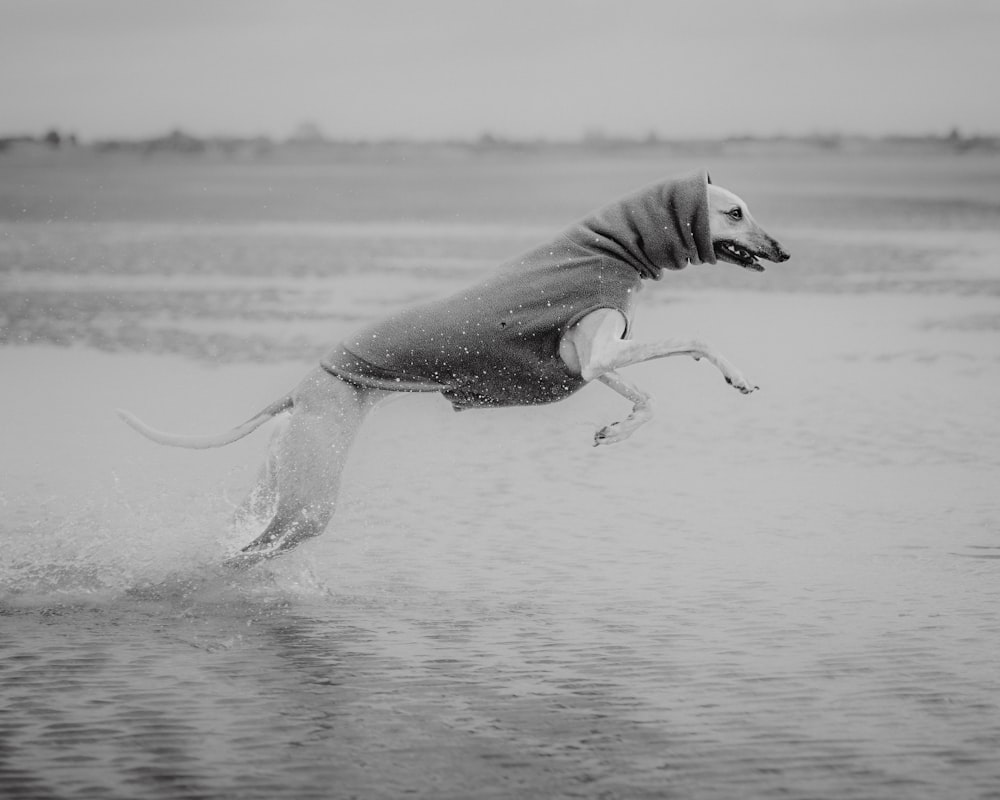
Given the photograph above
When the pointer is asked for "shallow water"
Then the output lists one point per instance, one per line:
(789, 594)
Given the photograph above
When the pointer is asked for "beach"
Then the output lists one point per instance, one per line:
(792, 593)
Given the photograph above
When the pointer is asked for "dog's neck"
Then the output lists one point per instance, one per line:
(664, 226)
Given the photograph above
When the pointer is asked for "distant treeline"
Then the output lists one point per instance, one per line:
(179, 142)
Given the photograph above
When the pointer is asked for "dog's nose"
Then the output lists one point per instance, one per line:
(780, 253)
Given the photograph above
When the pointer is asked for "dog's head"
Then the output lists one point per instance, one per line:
(736, 236)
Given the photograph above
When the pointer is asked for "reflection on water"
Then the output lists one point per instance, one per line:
(663, 657)
(790, 594)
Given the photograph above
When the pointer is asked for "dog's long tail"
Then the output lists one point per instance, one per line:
(205, 442)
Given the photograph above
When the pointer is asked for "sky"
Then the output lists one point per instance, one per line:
(432, 69)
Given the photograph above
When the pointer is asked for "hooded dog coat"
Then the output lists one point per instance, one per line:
(497, 342)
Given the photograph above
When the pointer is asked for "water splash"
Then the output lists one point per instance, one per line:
(109, 546)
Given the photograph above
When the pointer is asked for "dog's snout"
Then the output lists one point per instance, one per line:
(780, 254)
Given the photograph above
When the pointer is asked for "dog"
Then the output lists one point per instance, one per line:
(543, 326)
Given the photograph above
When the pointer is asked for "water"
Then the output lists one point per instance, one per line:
(788, 594)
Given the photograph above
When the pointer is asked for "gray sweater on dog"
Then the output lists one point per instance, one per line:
(497, 342)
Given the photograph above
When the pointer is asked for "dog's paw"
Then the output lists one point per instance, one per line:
(737, 381)
(243, 560)
(603, 436)
(611, 434)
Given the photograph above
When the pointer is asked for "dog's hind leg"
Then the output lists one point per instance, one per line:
(306, 462)
(259, 504)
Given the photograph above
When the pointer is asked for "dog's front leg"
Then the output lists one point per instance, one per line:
(624, 352)
(642, 410)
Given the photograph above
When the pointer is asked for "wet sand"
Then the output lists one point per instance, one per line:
(788, 594)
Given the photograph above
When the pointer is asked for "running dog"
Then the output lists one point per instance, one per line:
(539, 329)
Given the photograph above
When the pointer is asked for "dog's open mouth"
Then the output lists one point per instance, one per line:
(736, 254)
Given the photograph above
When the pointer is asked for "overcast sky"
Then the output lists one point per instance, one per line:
(524, 68)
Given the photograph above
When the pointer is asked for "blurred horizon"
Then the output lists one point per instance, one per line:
(445, 70)
(310, 135)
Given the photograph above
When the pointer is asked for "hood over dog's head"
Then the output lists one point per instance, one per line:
(672, 223)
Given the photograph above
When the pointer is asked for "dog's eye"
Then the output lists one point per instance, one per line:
(735, 213)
